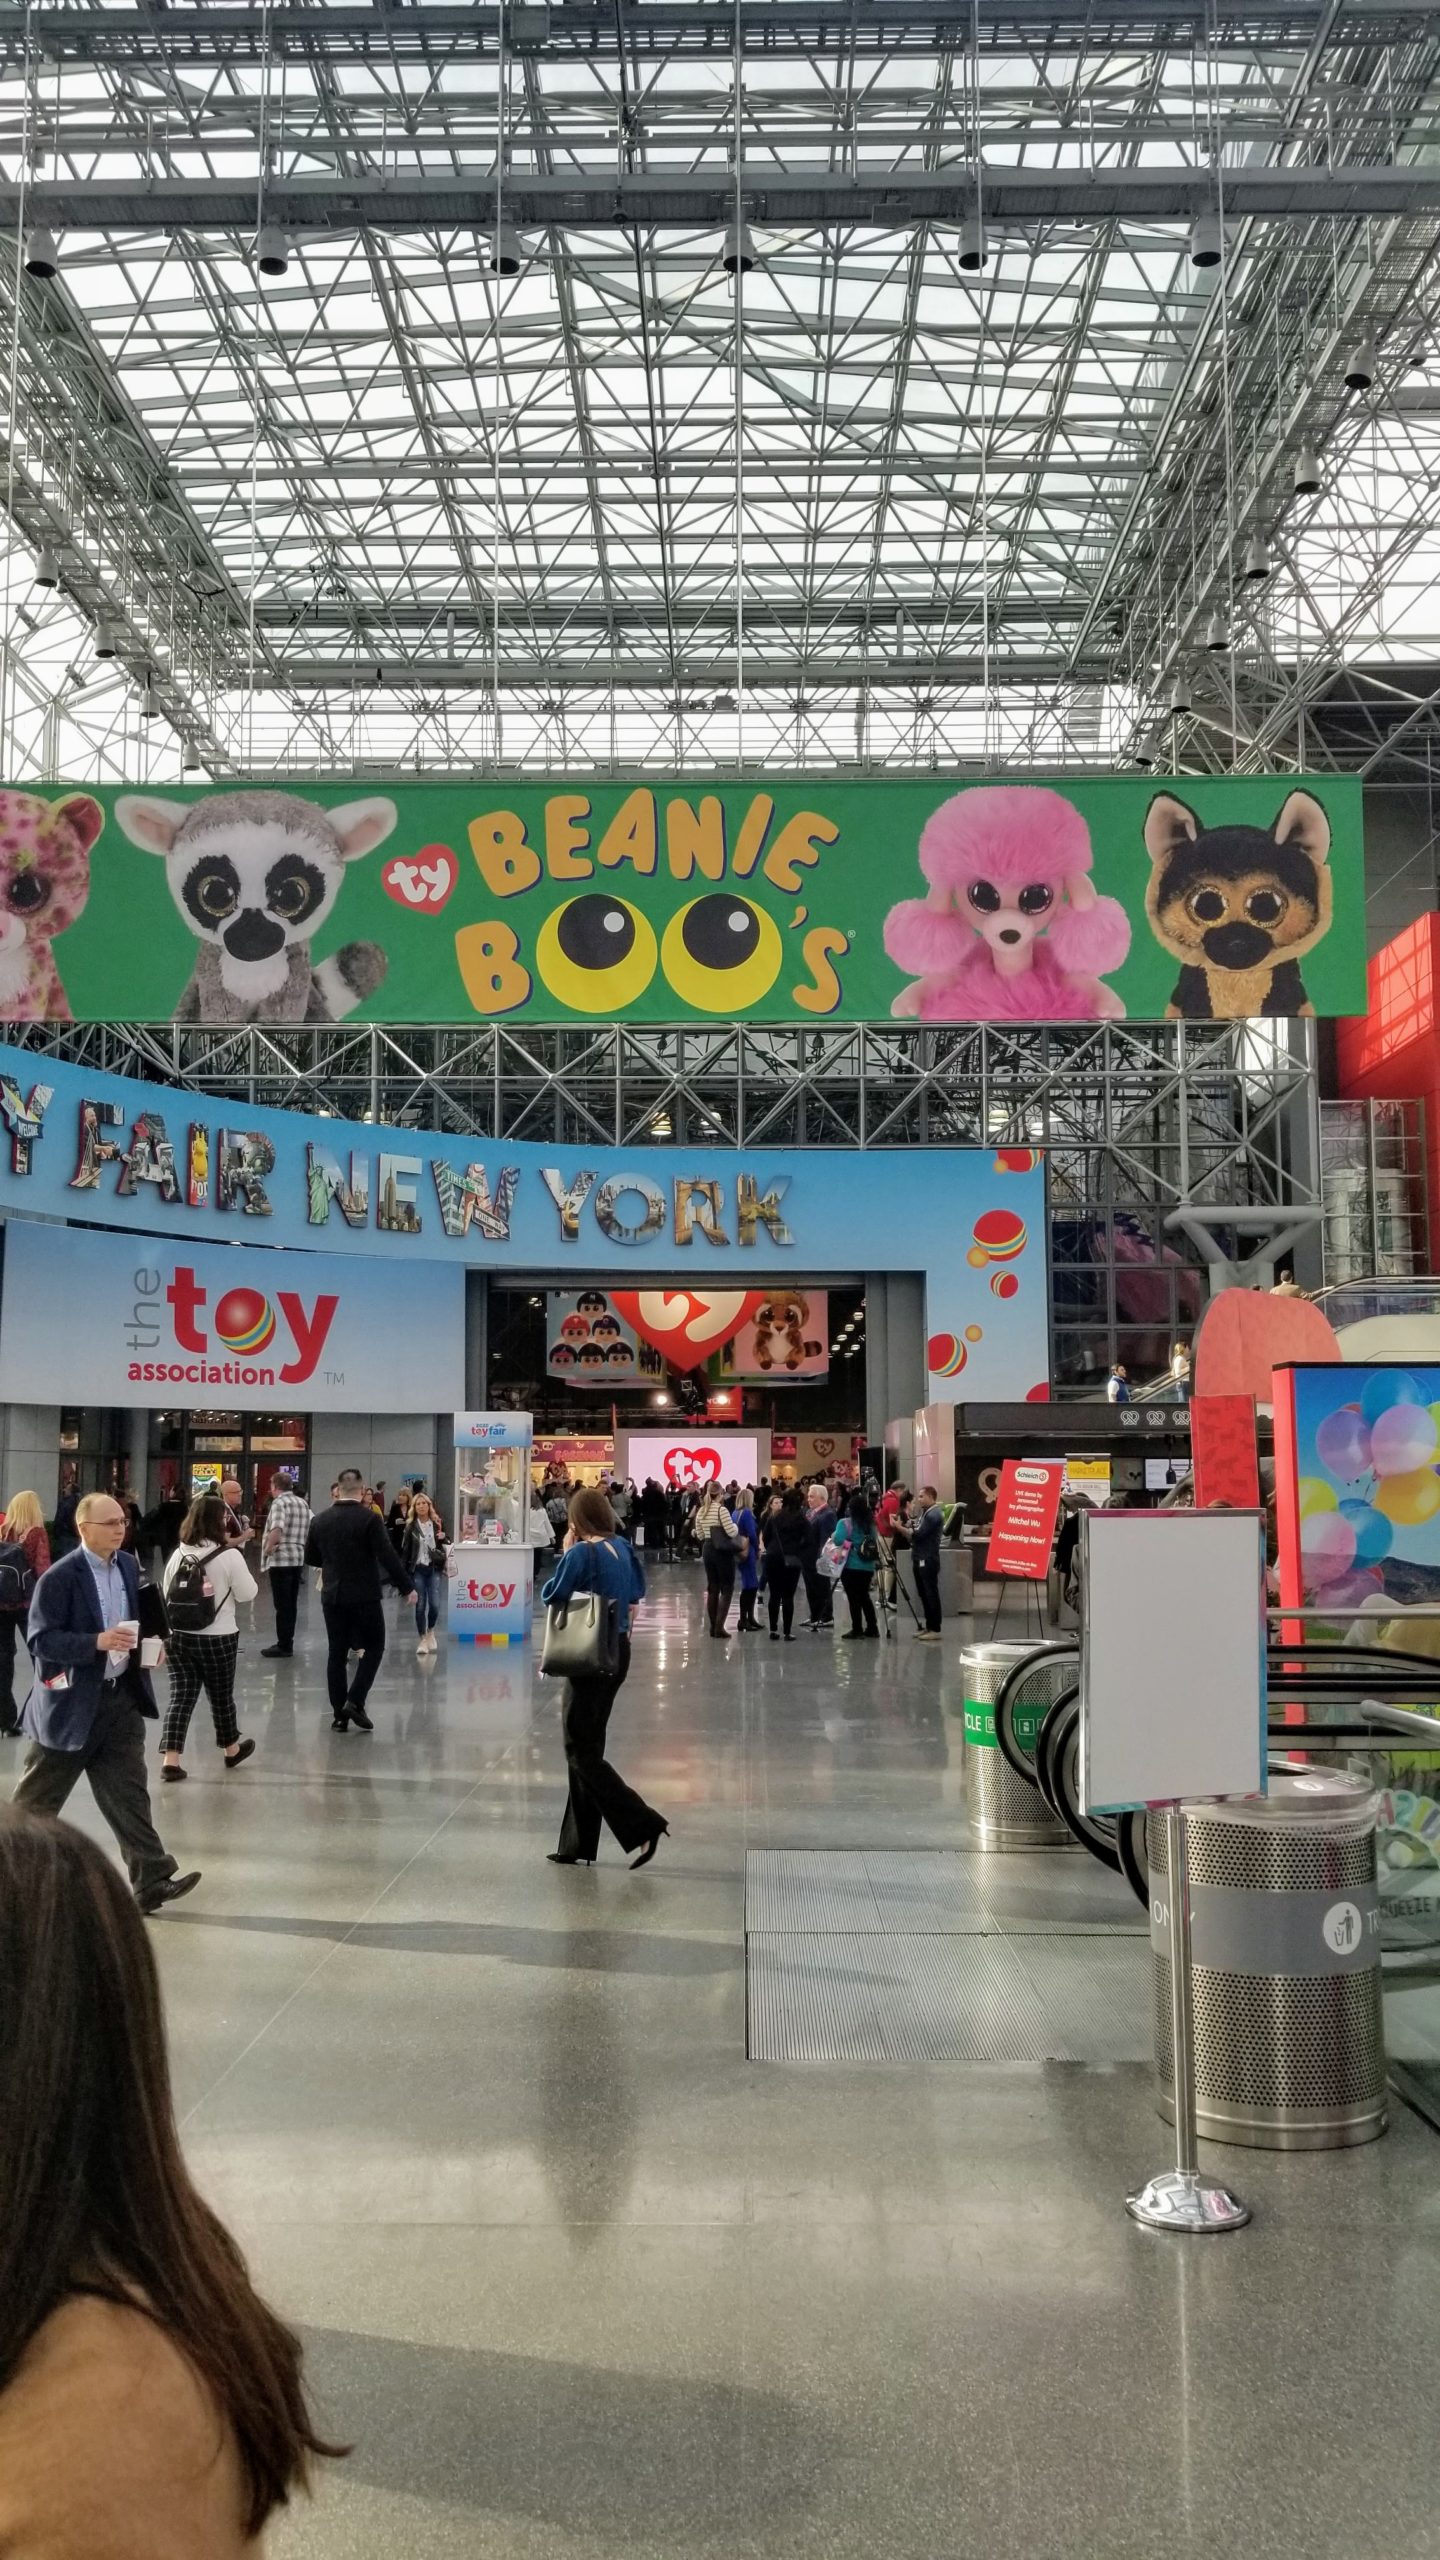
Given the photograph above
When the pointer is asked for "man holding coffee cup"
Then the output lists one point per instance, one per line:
(92, 1687)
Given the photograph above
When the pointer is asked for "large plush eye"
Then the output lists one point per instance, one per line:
(596, 953)
(722, 953)
(27, 893)
(1206, 906)
(984, 895)
(212, 891)
(294, 889)
(1035, 900)
(1265, 906)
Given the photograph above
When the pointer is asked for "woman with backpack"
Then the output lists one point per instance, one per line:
(858, 1544)
(719, 1541)
(203, 1580)
(24, 1556)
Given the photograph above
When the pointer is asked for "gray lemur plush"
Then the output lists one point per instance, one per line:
(254, 874)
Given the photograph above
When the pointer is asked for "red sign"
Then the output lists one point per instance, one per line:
(686, 1325)
(692, 1466)
(1226, 1462)
(1023, 1536)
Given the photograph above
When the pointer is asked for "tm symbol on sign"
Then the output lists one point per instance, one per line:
(333, 1377)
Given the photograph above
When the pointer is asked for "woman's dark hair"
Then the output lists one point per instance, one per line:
(590, 1513)
(859, 1511)
(95, 2196)
(790, 1499)
(205, 1523)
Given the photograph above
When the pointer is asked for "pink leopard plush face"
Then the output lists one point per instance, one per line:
(44, 864)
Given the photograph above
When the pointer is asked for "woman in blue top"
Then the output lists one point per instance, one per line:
(856, 1536)
(597, 1558)
(749, 1569)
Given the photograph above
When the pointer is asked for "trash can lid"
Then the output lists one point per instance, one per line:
(1330, 1800)
(979, 1655)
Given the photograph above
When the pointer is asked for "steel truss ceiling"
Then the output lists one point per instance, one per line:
(393, 511)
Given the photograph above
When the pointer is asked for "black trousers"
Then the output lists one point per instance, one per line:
(352, 1627)
(748, 1599)
(857, 1590)
(820, 1593)
(719, 1585)
(598, 1793)
(285, 1592)
(781, 1581)
(927, 1590)
(11, 1626)
(201, 1661)
(113, 1759)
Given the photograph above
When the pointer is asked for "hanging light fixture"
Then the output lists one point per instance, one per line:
(738, 255)
(272, 250)
(149, 701)
(42, 257)
(1217, 637)
(503, 251)
(1307, 471)
(1180, 701)
(1360, 366)
(1257, 558)
(1207, 240)
(107, 643)
(1147, 754)
(973, 249)
(47, 567)
(190, 762)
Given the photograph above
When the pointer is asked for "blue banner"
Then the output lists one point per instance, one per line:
(155, 1160)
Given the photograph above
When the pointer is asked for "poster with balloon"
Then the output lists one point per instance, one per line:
(1358, 1484)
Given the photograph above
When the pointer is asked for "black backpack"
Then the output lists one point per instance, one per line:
(869, 1551)
(17, 1576)
(190, 1600)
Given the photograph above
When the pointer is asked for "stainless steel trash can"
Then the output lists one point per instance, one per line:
(1285, 1966)
(1005, 1812)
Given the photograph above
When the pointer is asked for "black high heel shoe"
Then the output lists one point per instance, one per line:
(651, 1845)
(557, 1858)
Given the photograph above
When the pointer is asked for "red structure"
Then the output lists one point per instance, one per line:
(1392, 1053)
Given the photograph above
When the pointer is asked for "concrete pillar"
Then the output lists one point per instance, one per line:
(477, 1342)
(894, 1348)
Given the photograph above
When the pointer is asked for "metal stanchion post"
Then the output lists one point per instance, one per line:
(1179, 2199)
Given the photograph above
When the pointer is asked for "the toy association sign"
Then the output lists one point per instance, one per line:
(114, 1320)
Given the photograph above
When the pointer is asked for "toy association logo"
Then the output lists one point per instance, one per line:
(243, 1323)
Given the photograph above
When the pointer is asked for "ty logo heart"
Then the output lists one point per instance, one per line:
(691, 1466)
(686, 1325)
(423, 881)
(823, 1448)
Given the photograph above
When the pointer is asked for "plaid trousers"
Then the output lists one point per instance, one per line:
(201, 1662)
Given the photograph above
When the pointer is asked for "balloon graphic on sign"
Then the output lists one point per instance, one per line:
(1342, 1444)
(1409, 1500)
(1402, 1439)
(1388, 1387)
(1327, 1543)
(1374, 1535)
(1317, 1495)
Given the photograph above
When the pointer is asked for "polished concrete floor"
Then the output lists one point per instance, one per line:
(579, 2278)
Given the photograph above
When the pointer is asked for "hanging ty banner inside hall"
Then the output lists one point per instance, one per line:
(1095, 898)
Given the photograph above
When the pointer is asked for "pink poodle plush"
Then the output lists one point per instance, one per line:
(1013, 928)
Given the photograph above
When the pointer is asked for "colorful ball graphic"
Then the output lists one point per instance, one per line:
(1000, 1234)
(1388, 1387)
(245, 1321)
(974, 1332)
(1016, 1159)
(1342, 1443)
(1004, 1283)
(946, 1355)
(1402, 1439)
(977, 1257)
(1409, 1500)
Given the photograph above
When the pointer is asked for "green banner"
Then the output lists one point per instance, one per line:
(1092, 898)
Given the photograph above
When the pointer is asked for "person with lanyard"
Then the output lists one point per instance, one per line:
(927, 1527)
(84, 1713)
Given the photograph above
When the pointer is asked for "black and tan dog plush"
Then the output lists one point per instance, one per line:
(1238, 908)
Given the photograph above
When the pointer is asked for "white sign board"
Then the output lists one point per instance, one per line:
(1172, 1657)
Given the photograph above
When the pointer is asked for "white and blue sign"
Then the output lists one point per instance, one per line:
(112, 1151)
(121, 1320)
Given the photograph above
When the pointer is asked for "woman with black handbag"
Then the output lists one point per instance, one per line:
(593, 1647)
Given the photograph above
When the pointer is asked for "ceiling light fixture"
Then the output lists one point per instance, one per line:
(1180, 693)
(42, 257)
(973, 249)
(47, 567)
(504, 251)
(738, 255)
(149, 701)
(1307, 471)
(107, 640)
(272, 250)
(1207, 240)
(1361, 366)
(1257, 558)
(1217, 637)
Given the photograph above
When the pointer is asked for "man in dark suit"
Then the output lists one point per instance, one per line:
(349, 1544)
(83, 1630)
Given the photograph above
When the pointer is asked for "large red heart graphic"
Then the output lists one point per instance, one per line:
(690, 1466)
(686, 1324)
(423, 881)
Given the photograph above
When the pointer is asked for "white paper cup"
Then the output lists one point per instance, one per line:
(130, 1629)
(151, 1649)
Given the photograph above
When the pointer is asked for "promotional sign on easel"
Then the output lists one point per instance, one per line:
(1173, 1707)
(1022, 1534)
